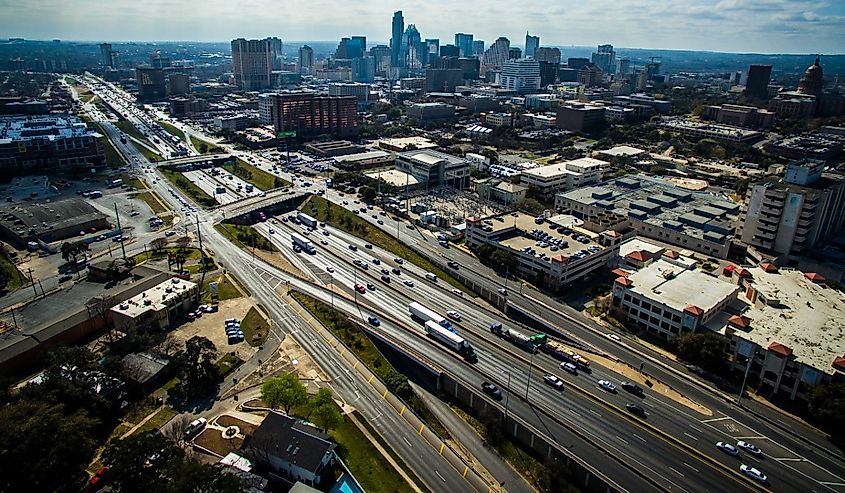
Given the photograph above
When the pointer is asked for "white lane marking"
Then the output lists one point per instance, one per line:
(594, 412)
(694, 469)
(791, 459)
(639, 437)
(622, 439)
(406, 441)
(439, 476)
(679, 473)
(829, 483)
(696, 429)
(752, 438)
(573, 411)
(694, 438)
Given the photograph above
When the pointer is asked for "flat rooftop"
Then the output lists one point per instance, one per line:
(394, 177)
(638, 244)
(49, 127)
(405, 142)
(27, 218)
(623, 150)
(660, 203)
(676, 287)
(524, 224)
(361, 156)
(155, 298)
(808, 318)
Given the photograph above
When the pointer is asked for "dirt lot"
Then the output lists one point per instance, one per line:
(211, 325)
(213, 440)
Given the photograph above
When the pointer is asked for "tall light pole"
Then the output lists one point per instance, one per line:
(745, 378)
(530, 367)
(508, 395)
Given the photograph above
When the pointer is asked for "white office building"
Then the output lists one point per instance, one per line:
(562, 177)
(521, 75)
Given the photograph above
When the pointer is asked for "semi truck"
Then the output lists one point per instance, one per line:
(515, 337)
(424, 314)
(449, 339)
(307, 220)
(563, 353)
(303, 243)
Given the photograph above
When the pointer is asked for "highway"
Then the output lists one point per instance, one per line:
(674, 447)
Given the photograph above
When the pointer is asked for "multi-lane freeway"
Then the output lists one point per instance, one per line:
(672, 449)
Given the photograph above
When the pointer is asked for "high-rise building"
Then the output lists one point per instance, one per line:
(496, 55)
(107, 55)
(398, 28)
(432, 49)
(577, 63)
(478, 48)
(514, 53)
(464, 43)
(306, 59)
(623, 66)
(548, 72)
(757, 84)
(547, 55)
(450, 51)
(381, 57)
(409, 51)
(531, 45)
(311, 114)
(159, 61)
(363, 69)
(797, 213)
(252, 63)
(152, 85)
(178, 84)
(276, 52)
(443, 79)
(605, 58)
(358, 46)
(521, 75)
(361, 92)
(590, 75)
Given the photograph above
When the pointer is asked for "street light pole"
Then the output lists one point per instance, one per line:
(745, 378)
(508, 395)
(530, 367)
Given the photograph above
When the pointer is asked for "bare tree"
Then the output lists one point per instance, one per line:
(171, 346)
(176, 428)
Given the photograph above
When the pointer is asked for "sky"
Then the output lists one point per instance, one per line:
(758, 26)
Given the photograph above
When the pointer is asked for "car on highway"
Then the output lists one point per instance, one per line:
(492, 390)
(632, 387)
(453, 315)
(368, 246)
(373, 320)
(360, 288)
(749, 447)
(324, 242)
(458, 292)
(613, 337)
(385, 278)
(502, 291)
(452, 264)
(607, 385)
(272, 231)
(353, 248)
(325, 233)
(408, 282)
(329, 268)
(371, 286)
(377, 262)
(727, 448)
(569, 367)
(754, 473)
(553, 381)
(635, 409)
(396, 271)
(381, 223)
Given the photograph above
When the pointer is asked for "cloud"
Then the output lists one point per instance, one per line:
(724, 25)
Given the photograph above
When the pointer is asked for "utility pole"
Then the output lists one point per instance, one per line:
(745, 378)
(202, 259)
(508, 396)
(31, 281)
(120, 230)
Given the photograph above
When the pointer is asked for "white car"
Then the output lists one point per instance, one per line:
(408, 282)
(454, 315)
(754, 473)
(458, 292)
(613, 337)
(329, 268)
(503, 291)
(727, 448)
(749, 447)
(606, 385)
(553, 381)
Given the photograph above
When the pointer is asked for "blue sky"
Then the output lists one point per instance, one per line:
(767, 26)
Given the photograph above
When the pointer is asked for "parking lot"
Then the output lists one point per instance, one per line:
(211, 325)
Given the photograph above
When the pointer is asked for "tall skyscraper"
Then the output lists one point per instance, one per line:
(381, 55)
(252, 63)
(359, 46)
(396, 40)
(306, 59)
(757, 84)
(432, 46)
(450, 51)
(551, 55)
(107, 56)
(623, 66)
(350, 48)
(464, 43)
(531, 45)
(497, 53)
(514, 53)
(605, 58)
(409, 51)
(276, 52)
(312, 114)
(478, 48)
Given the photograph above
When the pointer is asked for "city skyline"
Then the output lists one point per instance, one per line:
(759, 26)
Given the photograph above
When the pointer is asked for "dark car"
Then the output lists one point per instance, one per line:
(453, 264)
(396, 271)
(385, 278)
(635, 409)
(492, 390)
(373, 320)
(632, 388)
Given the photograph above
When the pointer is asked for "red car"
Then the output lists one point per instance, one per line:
(360, 288)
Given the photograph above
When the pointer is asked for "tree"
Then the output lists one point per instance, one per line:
(532, 206)
(158, 244)
(139, 462)
(196, 477)
(196, 368)
(397, 383)
(706, 350)
(285, 392)
(327, 416)
(44, 449)
(72, 251)
(826, 402)
(368, 194)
